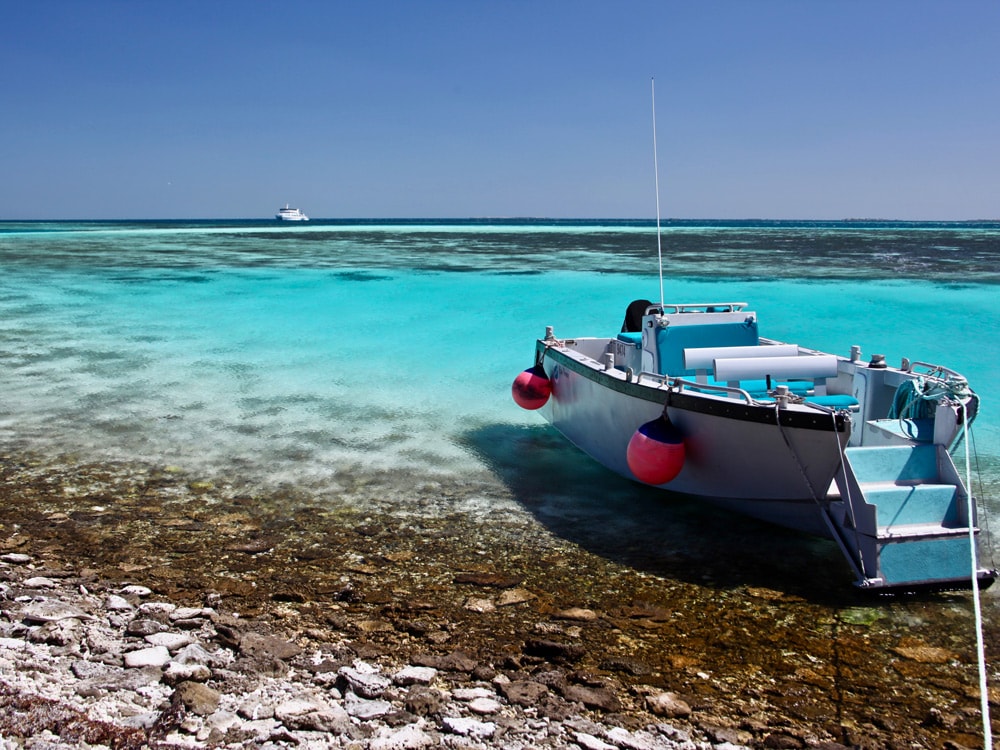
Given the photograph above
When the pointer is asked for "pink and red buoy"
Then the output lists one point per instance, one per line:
(656, 452)
(532, 388)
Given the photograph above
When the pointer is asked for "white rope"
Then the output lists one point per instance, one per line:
(980, 650)
(842, 450)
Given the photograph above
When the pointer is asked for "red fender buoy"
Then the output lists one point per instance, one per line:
(532, 388)
(655, 453)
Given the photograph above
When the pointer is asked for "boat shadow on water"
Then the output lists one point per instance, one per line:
(654, 532)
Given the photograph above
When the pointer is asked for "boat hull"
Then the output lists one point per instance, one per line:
(697, 404)
(771, 464)
(290, 214)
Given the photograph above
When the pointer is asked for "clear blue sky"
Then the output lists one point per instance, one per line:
(460, 108)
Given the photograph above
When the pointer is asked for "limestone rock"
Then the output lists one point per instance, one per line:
(312, 712)
(364, 681)
(198, 698)
(51, 610)
(154, 656)
(667, 705)
(414, 676)
(468, 727)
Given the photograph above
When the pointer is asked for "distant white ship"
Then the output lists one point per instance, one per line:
(290, 214)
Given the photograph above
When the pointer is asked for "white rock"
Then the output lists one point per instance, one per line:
(481, 606)
(117, 604)
(155, 656)
(260, 728)
(312, 712)
(415, 676)
(363, 709)
(135, 590)
(173, 642)
(590, 742)
(468, 694)
(364, 683)
(16, 558)
(633, 740)
(468, 727)
(142, 721)
(176, 673)
(102, 641)
(514, 596)
(195, 653)
(52, 610)
(222, 720)
(253, 709)
(298, 706)
(39, 582)
(59, 633)
(668, 705)
(483, 706)
(410, 737)
(189, 613)
(156, 608)
(364, 667)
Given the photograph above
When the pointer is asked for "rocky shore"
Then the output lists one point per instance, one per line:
(140, 607)
(88, 664)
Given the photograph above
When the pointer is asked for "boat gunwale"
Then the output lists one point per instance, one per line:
(702, 403)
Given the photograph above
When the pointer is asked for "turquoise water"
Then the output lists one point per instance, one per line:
(324, 355)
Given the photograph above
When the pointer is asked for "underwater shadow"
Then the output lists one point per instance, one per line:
(653, 531)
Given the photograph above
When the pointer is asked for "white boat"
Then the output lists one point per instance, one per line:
(690, 398)
(290, 214)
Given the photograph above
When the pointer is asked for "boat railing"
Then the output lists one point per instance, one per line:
(935, 372)
(703, 307)
(680, 384)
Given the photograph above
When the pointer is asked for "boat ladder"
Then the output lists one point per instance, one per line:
(902, 518)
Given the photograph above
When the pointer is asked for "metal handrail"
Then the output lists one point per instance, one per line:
(935, 371)
(732, 306)
(681, 383)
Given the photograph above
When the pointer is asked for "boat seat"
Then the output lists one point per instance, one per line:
(804, 375)
(702, 359)
(758, 388)
(672, 340)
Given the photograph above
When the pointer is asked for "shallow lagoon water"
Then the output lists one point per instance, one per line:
(311, 354)
(365, 368)
(301, 354)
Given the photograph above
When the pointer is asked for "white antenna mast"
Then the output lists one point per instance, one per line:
(656, 172)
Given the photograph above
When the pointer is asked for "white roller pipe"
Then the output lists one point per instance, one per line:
(703, 358)
(733, 369)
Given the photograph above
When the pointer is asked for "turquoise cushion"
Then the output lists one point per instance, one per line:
(673, 340)
(759, 387)
(835, 401)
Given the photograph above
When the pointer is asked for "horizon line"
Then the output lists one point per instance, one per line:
(362, 219)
